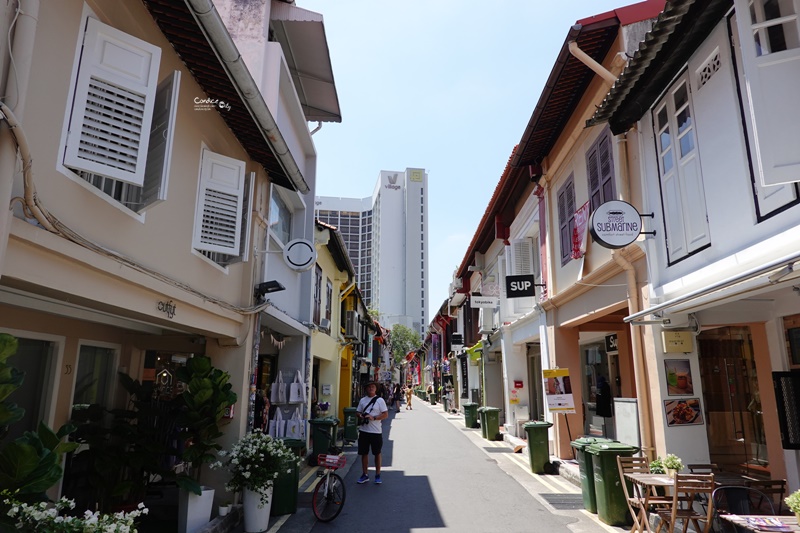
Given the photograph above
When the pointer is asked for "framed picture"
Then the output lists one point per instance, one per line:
(684, 412)
(679, 377)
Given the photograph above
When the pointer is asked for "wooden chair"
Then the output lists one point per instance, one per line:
(770, 489)
(635, 497)
(704, 468)
(685, 490)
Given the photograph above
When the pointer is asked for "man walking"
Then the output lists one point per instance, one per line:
(371, 410)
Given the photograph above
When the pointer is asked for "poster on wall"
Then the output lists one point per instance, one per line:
(683, 412)
(558, 390)
(679, 377)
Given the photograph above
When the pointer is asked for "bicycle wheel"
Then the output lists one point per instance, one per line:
(329, 496)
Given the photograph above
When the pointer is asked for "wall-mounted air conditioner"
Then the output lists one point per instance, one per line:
(325, 324)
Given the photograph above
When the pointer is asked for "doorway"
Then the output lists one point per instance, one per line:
(730, 392)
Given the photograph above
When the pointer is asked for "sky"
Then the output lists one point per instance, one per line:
(444, 85)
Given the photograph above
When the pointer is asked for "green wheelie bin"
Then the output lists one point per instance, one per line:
(322, 435)
(350, 424)
(612, 508)
(433, 397)
(482, 415)
(444, 403)
(587, 469)
(492, 415)
(284, 493)
(470, 414)
(538, 444)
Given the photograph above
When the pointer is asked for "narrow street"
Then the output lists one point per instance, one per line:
(437, 474)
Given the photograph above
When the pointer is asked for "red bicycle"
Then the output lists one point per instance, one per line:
(329, 494)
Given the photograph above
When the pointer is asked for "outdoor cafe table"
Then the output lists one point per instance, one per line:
(647, 485)
(742, 521)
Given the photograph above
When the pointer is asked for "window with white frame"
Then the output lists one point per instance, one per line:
(566, 218)
(222, 214)
(280, 217)
(120, 120)
(769, 35)
(681, 179)
(600, 170)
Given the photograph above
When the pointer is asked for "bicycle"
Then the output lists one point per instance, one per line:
(329, 494)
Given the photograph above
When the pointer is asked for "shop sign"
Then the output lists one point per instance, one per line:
(300, 255)
(615, 224)
(520, 286)
(677, 341)
(611, 344)
(484, 301)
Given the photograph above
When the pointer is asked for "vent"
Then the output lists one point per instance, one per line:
(111, 131)
(787, 396)
(220, 219)
(710, 67)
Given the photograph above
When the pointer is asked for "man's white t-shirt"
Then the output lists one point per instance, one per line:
(373, 426)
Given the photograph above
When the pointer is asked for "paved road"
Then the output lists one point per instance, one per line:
(437, 475)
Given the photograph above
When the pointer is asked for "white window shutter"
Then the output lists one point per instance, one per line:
(673, 215)
(113, 104)
(159, 153)
(218, 218)
(522, 263)
(247, 215)
(772, 84)
(694, 201)
(773, 198)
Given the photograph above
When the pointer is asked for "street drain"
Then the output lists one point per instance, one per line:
(564, 501)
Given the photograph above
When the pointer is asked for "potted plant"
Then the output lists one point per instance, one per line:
(224, 508)
(657, 466)
(672, 464)
(793, 502)
(44, 516)
(254, 463)
(208, 393)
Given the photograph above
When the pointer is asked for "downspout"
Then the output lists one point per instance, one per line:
(217, 34)
(587, 60)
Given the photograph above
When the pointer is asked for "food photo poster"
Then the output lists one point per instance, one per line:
(685, 412)
(679, 377)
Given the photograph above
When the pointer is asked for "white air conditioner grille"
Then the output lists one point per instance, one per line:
(112, 127)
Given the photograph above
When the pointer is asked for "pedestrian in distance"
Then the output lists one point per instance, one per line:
(409, 395)
(396, 397)
(371, 411)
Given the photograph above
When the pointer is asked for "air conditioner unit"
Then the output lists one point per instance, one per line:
(325, 324)
(351, 325)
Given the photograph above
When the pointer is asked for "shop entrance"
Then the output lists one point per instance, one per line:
(600, 385)
(730, 391)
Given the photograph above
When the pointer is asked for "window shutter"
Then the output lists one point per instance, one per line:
(606, 168)
(159, 153)
(772, 81)
(522, 263)
(113, 104)
(563, 224)
(593, 171)
(247, 215)
(217, 226)
(673, 215)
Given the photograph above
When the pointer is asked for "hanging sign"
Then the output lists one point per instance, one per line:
(615, 224)
(484, 301)
(520, 286)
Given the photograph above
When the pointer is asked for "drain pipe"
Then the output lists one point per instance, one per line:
(587, 60)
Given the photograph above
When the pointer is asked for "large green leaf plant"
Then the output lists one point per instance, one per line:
(208, 393)
(30, 464)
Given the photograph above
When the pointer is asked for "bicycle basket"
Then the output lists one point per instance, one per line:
(331, 461)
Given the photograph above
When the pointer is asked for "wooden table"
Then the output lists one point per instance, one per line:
(727, 479)
(742, 521)
(646, 485)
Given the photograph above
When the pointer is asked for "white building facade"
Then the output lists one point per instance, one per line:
(387, 240)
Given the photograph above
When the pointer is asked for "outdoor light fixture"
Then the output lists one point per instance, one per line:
(787, 272)
(267, 287)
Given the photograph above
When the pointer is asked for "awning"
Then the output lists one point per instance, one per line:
(475, 352)
(302, 33)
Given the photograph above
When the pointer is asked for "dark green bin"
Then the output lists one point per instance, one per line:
(284, 493)
(350, 423)
(492, 415)
(470, 414)
(482, 415)
(586, 468)
(323, 431)
(612, 508)
(538, 444)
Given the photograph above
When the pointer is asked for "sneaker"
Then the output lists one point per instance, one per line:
(364, 478)
(377, 480)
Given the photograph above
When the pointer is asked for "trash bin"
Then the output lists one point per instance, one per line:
(322, 436)
(470, 414)
(612, 507)
(492, 415)
(432, 396)
(482, 415)
(587, 470)
(284, 493)
(350, 423)
(444, 402)
(538, 444)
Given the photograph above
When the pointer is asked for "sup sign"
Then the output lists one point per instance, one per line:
(520, 286)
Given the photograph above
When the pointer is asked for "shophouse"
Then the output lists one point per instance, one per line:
(707, 104)
(152, 174)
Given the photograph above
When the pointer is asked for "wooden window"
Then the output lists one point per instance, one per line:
(317, 294)
(600, 171)
(566, 218)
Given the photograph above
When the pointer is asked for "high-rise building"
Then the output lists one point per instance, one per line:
(387, 239)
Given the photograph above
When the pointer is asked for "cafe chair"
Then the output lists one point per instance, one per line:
(773, 489)
(685, 491)
(704, 468)
(740, 501)
(635, 498)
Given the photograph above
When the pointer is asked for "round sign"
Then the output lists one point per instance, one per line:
(615, 224)
(300, 255)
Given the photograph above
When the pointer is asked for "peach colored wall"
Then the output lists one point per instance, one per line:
(769, 407)
(567, 355)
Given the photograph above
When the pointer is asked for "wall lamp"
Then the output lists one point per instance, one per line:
(782, 274)
(267, 287)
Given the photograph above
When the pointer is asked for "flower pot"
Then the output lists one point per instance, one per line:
(223, 510)
(671, 472)
(797, 515)
(194, 511)
(256, 515)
